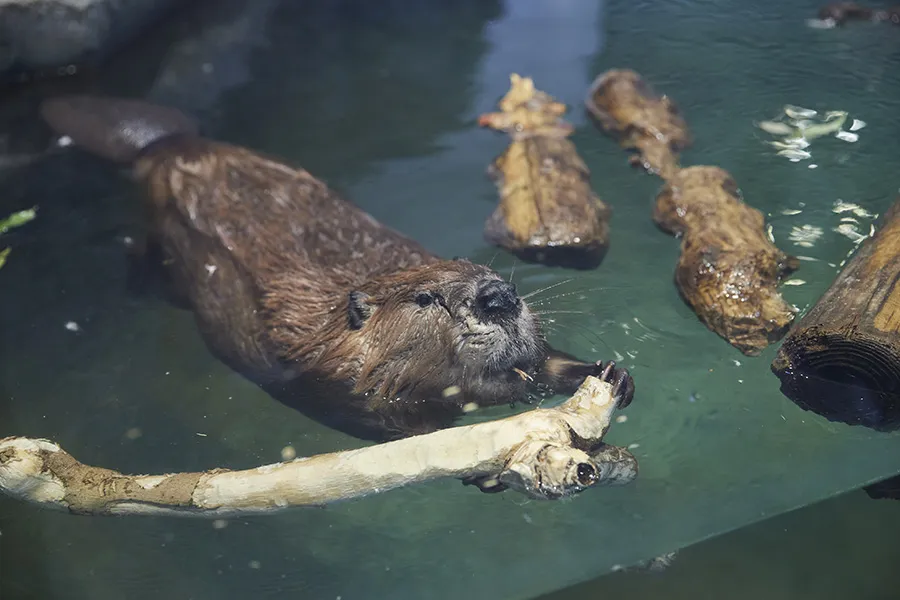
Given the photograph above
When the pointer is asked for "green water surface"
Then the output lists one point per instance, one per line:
(380, 100)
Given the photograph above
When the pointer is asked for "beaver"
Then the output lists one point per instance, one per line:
(308, 296)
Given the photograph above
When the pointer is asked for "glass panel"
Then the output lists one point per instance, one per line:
(381, 103)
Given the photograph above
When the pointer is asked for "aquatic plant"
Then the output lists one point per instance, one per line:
(17, 219)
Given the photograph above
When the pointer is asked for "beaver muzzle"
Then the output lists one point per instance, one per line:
(497, 300)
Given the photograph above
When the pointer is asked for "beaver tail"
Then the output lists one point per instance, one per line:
(117, 129)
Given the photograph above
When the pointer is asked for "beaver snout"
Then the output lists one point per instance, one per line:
(497, 299)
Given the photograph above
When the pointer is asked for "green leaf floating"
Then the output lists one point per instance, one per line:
(16, 219)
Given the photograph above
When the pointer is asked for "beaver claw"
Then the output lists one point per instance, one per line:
(623, 384)
(564, 374)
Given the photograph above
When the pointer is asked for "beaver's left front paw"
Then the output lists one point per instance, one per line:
(623, 384)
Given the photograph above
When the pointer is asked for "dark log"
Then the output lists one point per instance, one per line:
(548, 212)
(627, 108)
(842, 360)
(838, 13)
(729, 270)
(886, 489)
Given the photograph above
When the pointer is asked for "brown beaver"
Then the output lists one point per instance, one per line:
(305, 294)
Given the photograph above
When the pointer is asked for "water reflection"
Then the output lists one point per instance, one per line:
(356, 71)
(345, 84)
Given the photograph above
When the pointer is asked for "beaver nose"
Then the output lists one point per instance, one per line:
(497, 299)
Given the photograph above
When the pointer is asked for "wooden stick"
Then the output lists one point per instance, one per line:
(729, 270)
(627, 108)
(544, 453)
(548, 211)
(842, 360)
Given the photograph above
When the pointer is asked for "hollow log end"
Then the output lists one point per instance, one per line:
(548, 471)
(842, 376)
(24, 473)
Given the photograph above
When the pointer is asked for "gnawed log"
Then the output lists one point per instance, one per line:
(627, 108)
(886, 489)
(544, 453)
(842, 360)
(548, 212)
(729, 270)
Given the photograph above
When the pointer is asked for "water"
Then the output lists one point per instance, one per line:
(381, 103)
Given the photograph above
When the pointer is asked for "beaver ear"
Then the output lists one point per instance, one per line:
(358, 309)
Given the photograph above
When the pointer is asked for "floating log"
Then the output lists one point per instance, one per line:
(627, 108)
(548, 212)
(886, 489)
(842, 360)
(543, 453)
(729, 270)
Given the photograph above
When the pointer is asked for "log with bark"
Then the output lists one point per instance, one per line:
(544, 453)
(842, 360)
(729, 270)
(886, 489)
(548, 212)
(627, 108)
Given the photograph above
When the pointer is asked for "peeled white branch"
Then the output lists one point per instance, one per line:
(544, 453)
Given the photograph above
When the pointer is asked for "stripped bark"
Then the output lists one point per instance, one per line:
(544, 454)
(729, 269)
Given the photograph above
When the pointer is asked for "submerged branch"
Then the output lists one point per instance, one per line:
(544, 453)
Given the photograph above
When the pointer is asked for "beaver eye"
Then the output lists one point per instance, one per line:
(424, 299)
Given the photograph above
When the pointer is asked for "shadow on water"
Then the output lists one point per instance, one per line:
(382, 72)
(292, 76)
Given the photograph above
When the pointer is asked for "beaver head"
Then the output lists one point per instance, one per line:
(413, 333)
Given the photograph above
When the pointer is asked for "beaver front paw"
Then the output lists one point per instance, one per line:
(623, 384)
(562, 373)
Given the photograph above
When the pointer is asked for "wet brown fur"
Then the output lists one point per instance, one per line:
(267, 256)
(327, 309)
